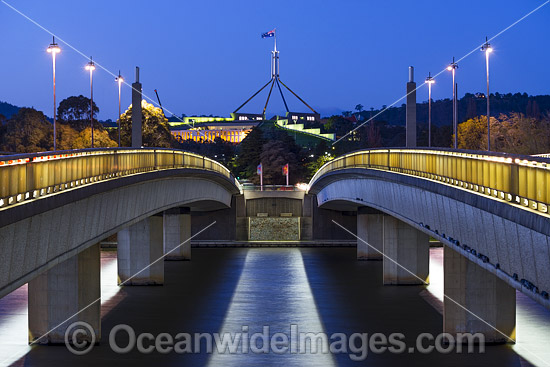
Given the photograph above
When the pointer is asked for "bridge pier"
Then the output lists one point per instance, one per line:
(139, 247)
(370, 229)
(177, 231)
(407, 247)
(61, 292)
(478, 292)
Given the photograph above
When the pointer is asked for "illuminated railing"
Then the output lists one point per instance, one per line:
(29, 176)
(524, 180)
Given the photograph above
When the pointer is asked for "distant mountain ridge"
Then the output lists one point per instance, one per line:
(469, 106)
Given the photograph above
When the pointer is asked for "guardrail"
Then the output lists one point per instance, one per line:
(247, 187)
(29, 176)
(524, 180)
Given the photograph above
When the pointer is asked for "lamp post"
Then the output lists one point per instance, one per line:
(487, 49)
(452, 67)
(91, 67)
(54, 49)
(430, 81)
(119, 79)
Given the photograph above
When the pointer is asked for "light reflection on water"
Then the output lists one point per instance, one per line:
(288, 300)
(532, 319)
(273, 289)
(14, 323)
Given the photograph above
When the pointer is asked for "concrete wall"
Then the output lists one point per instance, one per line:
(39, 242)
(224, 229)
(274, 206)
(325, 229)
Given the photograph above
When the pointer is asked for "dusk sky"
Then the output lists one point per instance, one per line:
(207, 57)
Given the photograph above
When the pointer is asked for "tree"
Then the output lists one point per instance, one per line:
(275, 154)
(248, 153)
(67, 138)
(75, 111)
(472, 134)
(28, 131)
(514, 133)
(101, 139)
(155, 130)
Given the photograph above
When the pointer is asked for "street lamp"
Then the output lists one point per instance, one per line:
(488, 49)
(54, 49)
(119, 79)
(430, 81)
(91, 67)
(452, 67)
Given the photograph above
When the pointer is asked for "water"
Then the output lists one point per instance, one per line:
(242, 290)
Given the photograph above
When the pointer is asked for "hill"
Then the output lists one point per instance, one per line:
(7, 110)
(469, 106)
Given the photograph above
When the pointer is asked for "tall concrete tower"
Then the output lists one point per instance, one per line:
(411, 111)
(137, 140)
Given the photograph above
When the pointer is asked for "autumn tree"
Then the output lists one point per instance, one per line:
(472, 134)
(28, 131)
(514, 133)
(155, 130)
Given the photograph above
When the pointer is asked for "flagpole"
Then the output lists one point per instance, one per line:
(287, 173)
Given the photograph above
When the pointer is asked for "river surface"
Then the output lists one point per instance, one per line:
(240, 292)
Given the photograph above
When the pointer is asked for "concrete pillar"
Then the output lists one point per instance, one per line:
(63, 291)
(410, 132)
(177, 231)
(137, 137)
(481, 293)
(407, 247)
(139, 247)
(370, 228)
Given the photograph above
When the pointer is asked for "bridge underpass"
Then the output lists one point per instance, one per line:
(56, 208)
(490, 212)
(147, 197)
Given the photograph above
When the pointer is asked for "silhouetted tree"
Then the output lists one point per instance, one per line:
(75, 111)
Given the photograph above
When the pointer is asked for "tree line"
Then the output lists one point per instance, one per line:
(29, 130)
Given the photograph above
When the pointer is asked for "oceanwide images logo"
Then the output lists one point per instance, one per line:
(123, 339)
(80, 338)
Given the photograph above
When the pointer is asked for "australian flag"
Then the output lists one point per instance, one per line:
(268, 34)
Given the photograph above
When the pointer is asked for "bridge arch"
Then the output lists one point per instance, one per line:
(500, 213)
(55, 206)
(491, 209)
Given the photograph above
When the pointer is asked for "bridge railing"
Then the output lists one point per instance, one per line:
(523, 180)
(29, 176)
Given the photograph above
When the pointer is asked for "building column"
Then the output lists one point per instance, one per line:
(139, 247)
(63, 291)
(177, 234)
(370, 229)
(408, 247)
(469, 289)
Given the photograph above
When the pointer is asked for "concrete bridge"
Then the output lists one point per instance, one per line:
(489, 210)
(56, 207)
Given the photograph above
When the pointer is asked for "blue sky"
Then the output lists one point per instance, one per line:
(207, 57)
